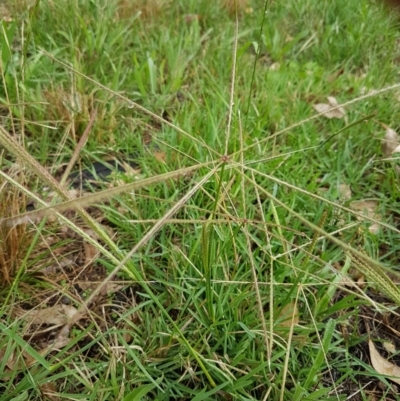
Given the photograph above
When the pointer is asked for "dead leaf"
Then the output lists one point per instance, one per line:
(91, 253)
(345, 191)
(289, 316)
(389, 347)
(191, 17)
(382, 366)
(160, 156)
(390, 142)
(361, 283)
(126, 333)
(325, 108)
(60, 342)
(54, 315)
(10, 357)
(368, 209)
(275, 66)
(347, 281)
(5, 14)
(332, 77)
(49, 392)
(109, 289)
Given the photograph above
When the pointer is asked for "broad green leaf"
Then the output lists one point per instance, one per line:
(139, 392)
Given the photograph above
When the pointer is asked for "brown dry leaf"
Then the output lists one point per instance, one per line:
(49, 392)
(60, 342)
(109, 289)
(289, 316)
(390, 142)
(233, 6)
(325, 108)
(368, 208)
(275, 66)
(347, 282)
(126, 335)
(361, 282)
(389, 347)
(54, 315)
(382, 366)
(345, 191)
(29, 361)
(10, 359)
(24, 360)
(91, 253)
(191, 17)
(21, 360)
(160, 156)
(87, 285)
(5, 14)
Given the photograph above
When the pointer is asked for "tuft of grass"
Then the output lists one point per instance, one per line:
(234, 7)
(230, 265)
(14, 240)
(143, 9)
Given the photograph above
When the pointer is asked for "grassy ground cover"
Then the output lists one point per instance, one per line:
(252, 253)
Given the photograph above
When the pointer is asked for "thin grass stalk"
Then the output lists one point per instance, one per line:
(136, 275)
(253, 73)
(315, 116)
(366, 264)
(134, 104)
(320, 198)
(233, 78)
(78, 148)
(22, 154)
(315, 238)
(94, 198)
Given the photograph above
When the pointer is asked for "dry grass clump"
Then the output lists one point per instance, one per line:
(146, 9)
(71, 110)
(231, 5)
(14, 240)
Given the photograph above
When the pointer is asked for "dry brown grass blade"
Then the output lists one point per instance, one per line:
(327, 201)
(79, 147)
(13, 240)
(373, 264)
(92, 199)
(232, 89)
(69, 223)
(13, 146)
(79, 203)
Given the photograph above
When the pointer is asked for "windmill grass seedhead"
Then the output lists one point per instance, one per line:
(14, 240)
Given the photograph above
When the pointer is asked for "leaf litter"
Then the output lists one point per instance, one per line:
(381, 351)
(369, 209)
(391, 146)
(382, 365)
(331, 109)
(70, 265)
